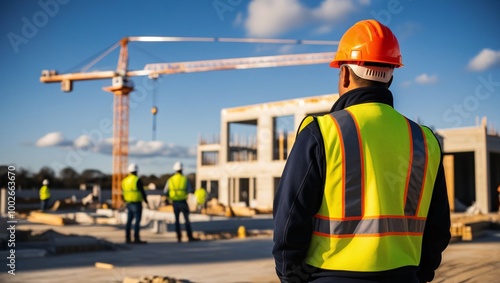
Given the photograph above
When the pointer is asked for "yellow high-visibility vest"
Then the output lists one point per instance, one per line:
(44, 193)
(130, 191)
(380, 168)
(177, 187)
(201, 195)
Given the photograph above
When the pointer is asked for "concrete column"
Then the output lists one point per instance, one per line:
(264, 138)
(481, 162)
(449, 173)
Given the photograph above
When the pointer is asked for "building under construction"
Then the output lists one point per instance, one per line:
(242, 165)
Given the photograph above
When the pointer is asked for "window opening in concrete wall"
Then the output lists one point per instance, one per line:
(214, 189)
(283, 136)
(244, 190)
(242, 141)
(465, 179)
(209, 158)
(254, 188)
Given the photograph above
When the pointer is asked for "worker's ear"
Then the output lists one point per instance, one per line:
(345, 76)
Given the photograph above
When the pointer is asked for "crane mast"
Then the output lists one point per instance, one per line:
(121, 85)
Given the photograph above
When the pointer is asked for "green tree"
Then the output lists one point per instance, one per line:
(46, 173)
(69, 178)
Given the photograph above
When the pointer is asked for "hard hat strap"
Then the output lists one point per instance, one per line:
(373, 73)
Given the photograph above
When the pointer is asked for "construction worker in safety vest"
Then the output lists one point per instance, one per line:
(362, 197)
(44, 195)
(201, 199)
(177, 189)
(133, 194)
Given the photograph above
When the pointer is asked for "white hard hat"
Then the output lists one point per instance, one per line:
(177, 166)
(132, 167)
(45, 182)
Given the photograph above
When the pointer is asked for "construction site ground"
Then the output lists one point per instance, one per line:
(222, 260)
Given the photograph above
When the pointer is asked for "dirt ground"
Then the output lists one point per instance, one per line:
(475, 261)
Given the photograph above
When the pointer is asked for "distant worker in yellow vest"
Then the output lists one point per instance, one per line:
(44, 195)
(177, 189)
(201, 199)
(133, 194)
(362, 197)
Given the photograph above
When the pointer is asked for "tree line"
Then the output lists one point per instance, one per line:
(69, 178)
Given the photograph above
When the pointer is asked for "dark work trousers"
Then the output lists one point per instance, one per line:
(182, 206)
(45, 204)
(134, 211)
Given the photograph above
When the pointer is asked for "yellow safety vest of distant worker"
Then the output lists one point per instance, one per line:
(44, 192)
(130, 191)
(177, 187)
(201, 196)
(399, 191)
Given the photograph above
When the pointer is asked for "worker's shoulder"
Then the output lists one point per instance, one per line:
(309, 124)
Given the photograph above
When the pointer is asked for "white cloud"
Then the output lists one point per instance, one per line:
(273, 17)
(137, 148)
(331, 10)
(487, 58)
(52, 139)
(426, 79)
(83, 142)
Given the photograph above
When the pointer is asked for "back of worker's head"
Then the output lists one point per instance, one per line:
(177, 166)
(45, 182)
(133, 168)
(370, 51)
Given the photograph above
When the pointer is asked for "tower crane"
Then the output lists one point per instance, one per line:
(122, 85)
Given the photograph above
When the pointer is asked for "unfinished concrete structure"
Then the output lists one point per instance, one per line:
(242, 166)
(472, 166)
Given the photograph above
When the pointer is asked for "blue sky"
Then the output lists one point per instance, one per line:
(451, 52)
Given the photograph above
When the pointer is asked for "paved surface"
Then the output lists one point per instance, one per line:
(223, 261)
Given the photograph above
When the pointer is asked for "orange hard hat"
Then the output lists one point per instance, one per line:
(368, 41)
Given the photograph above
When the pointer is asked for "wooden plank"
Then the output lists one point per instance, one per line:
(45, 218)
(104, 265)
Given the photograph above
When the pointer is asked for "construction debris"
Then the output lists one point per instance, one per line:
(215, 208)
(154, 279)
(50, 219)
(104, 265)
(242, 211)
(467, 227)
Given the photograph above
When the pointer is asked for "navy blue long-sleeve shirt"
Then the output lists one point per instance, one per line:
(300, 194)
